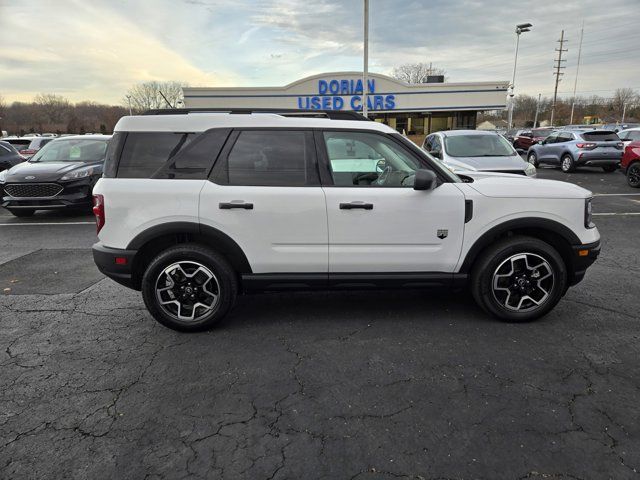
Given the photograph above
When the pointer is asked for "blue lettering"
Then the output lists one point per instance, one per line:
(358, 86)
(306, 106)
(326, 103)
(356, 103)
(371, 85)
(344, 87)
(338, 103)
(315, 103)
(390, 102)
(378, 102)
(334, 87)
(322, 87)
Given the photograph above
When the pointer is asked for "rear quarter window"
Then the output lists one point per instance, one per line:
(144, 153)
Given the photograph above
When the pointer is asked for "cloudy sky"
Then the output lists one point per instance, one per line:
(95, 50)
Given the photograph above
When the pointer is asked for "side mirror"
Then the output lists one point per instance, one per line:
(425, 180)
(541, 142)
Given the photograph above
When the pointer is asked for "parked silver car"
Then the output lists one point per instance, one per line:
(570, 149)
(476, 150)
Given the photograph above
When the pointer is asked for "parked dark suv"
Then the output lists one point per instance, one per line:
(570, 149)
(61, 175)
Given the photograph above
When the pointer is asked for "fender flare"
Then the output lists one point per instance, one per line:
(537, 223)
(223, 242)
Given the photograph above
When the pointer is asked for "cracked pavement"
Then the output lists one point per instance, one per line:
(353, 385)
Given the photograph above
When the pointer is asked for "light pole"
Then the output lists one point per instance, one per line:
(365, 70)
(521, 28)
(129, 100)
(624, 111)
(535, 121)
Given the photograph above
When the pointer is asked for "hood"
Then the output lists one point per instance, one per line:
(514, 162)
(517, 186)
(44, 171)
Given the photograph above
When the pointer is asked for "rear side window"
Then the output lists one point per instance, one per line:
(601, 136)
(145, 152)
(268, 158)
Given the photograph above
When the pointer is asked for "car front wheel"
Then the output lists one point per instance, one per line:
(633, 175)
(519, 279)
(567, 164)
(532, 158)
(189, 287)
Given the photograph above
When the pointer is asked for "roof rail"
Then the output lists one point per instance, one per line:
(285, 112)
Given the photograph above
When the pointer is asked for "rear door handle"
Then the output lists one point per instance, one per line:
(352, 205)
(230, 205)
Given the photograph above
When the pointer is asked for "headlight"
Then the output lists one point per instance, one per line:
(80, 173)
(588, 213)
(530, 170)
(3, 176)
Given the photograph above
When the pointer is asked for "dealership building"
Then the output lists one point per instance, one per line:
(416, 109)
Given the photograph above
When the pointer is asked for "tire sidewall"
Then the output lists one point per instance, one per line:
(571, 163)
(218, 266)
(633, 166)
(532, 158)
(484, 278)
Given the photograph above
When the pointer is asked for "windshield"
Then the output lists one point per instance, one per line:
(542, 132)
(72, 150)
(474, 145)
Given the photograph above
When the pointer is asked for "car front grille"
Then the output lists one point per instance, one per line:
(32, 190)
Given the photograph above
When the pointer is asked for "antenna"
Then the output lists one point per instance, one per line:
(558, 66)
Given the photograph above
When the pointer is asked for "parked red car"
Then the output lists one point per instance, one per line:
(630, 164)
(526, 138)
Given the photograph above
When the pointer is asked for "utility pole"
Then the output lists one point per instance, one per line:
(535, 121)
(575, 83)
(558, 66)
(624, 111)
(365, 71)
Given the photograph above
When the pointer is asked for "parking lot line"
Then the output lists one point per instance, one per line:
(45, 223)
(616, 194)
(618, 214)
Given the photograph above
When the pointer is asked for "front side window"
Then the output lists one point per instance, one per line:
(145, 152)
(72, 150)
(552, 138)
(367, 159)
(474, 145)
(268, 158)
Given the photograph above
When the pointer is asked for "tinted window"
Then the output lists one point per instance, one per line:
(600, 136)
(111, 158)
(144, 153)
(564, 137)
(367, 159)
(268, 158)
(195, 161)
(4, 150)
(551, 138)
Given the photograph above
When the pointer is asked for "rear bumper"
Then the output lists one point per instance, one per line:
(583, 257)
(597, 159)
(115, 263)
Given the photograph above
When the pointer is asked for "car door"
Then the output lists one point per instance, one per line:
(377, 221)
(265, 194)
(546, 148)
(561, 145)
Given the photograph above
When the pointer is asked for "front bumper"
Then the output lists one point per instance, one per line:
(115, 263)
(583, 257)
(73, 194)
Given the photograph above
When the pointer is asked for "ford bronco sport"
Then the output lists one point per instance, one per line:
(196, 207)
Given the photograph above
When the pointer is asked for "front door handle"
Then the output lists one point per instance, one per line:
(352, 205)
(230, 205)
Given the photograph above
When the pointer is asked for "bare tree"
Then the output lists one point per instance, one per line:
(149, 95)
(54, 108)
(621, 97)
(416, 72)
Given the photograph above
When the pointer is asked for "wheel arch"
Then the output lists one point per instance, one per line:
(152, 241)
(552, 232)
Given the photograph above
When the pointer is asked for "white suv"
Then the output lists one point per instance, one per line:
(196, 208)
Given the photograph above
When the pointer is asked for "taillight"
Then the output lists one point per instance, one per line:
(28, 151)
(586, 146)
(98, 211)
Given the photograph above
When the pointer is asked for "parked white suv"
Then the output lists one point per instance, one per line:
(196, 208)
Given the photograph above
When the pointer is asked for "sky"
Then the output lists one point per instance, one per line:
(95, 50)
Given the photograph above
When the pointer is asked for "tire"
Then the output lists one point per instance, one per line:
(22, 212)
(567, 164)
(512, 254)
(532, 158)
(633, 175)
(207, 273)
(610, 168)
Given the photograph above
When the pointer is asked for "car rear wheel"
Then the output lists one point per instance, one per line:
(22, 212)
(519, 279)
(189, 288)
(610, 168)
(633, 175)
(532, 158)
(567, 164)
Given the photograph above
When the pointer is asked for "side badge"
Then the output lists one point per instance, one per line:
(443, 233)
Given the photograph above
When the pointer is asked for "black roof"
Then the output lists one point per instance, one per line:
(331, 114)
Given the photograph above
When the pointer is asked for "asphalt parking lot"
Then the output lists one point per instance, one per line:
(356, 385)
